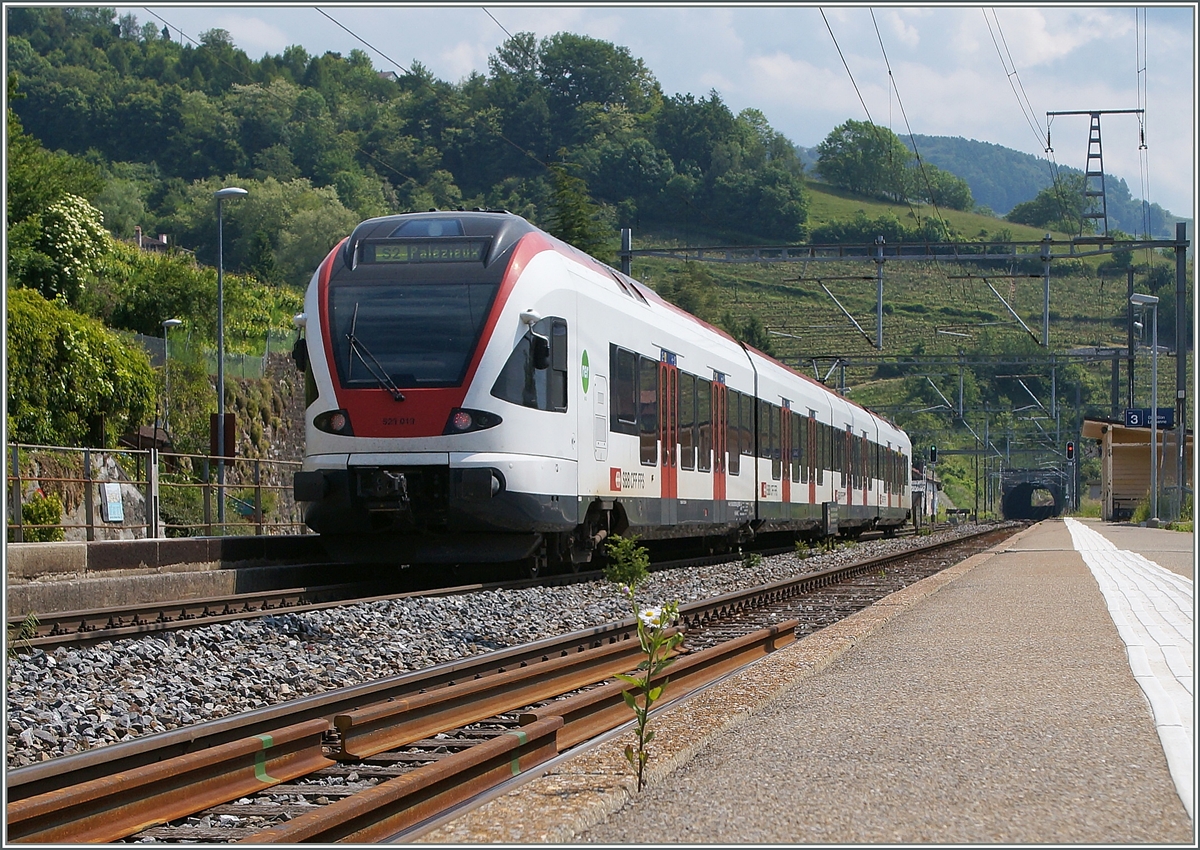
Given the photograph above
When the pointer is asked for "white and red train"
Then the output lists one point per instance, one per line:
(480, 391)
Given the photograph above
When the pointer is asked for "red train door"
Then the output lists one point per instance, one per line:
(668, 418)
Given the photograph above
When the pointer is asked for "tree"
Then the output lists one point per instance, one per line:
(574, 217)
(576, 70)
(935, 186)
(865, 159)
(1058, 207)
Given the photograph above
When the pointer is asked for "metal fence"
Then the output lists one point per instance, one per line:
(76, 494)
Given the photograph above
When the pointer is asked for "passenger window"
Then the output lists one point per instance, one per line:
(623, 400)
(732, 434)
(775, 434)
(687, 421)
(647, 395)
(704, 425)
(795, 457)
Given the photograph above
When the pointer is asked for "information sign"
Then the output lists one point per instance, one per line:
(1139, 417)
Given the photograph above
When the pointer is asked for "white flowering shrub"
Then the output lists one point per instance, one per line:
(73, 238)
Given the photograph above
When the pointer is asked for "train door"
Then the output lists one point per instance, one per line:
(668, 418)
(720, 428)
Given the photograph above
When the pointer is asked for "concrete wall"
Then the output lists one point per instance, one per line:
(43, 577)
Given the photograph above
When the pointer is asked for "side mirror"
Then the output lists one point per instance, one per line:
(541, 352)
(300, 353)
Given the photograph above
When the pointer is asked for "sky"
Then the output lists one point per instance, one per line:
(989, 73)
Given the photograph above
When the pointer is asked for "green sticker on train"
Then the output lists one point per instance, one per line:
(585, 371)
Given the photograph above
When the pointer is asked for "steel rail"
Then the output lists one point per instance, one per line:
(88, 626)
(94, 624)
(108, 808)
(104, 761)
(399, 804)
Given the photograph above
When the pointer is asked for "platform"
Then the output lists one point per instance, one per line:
(992, 703)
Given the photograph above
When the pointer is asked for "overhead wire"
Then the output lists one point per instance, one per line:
(1142, 60)
(364, 41)
(904, 114)
(1027, 109)
(845, 65)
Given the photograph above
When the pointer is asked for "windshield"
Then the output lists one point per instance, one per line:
(417, 334)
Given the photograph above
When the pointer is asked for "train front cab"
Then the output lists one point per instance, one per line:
(440, 429)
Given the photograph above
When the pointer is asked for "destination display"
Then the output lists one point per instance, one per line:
(439, 251)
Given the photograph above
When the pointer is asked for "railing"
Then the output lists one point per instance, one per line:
(107, 494)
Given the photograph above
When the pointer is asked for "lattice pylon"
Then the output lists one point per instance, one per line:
(1095, 206)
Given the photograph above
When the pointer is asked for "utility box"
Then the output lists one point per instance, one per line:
(230, 436)
(829, 518)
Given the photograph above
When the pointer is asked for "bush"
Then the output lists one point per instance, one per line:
(628, 563)
(71, 381)
(41, 510)
(181, 508)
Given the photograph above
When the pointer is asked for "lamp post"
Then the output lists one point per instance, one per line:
(220, 195)
(1140, 300)
(167, 325)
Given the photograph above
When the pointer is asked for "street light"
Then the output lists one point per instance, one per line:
(167, 325)
(220, 195)
(1140, 300)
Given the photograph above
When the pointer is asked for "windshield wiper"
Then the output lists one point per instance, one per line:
(373, 365)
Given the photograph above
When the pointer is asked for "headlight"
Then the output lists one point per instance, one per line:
(334, 422)
(463, 421)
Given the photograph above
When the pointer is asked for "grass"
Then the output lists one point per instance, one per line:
(828, 203)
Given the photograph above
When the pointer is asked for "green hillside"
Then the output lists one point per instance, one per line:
(933, 318)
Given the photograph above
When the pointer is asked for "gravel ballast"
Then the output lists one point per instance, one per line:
(75, 699)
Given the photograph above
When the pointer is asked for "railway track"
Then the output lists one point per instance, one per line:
(90, 626)
(368, 762)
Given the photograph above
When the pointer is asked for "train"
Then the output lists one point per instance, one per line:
(478, 391)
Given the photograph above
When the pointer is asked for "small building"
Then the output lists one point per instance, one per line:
(149, 243)
(926, 495)
(1125, 464)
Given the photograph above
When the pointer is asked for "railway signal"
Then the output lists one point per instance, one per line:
(1070, 451)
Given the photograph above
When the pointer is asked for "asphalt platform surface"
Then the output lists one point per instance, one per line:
(992, 703)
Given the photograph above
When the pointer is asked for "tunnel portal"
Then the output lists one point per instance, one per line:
(1032, 500)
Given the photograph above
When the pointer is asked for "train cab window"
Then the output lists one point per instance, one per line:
(535, 374)
(704, 425)
(687, 421)
(623, 394)
(647, 394)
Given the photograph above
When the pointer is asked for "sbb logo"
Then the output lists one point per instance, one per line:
(614, 476)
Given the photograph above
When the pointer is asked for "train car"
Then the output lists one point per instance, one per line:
(478, 391)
